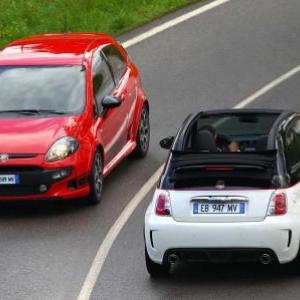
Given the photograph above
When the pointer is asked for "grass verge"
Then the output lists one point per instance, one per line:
(19, 18)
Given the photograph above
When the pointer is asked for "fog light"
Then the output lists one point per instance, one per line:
(60, 174)
(43, 188)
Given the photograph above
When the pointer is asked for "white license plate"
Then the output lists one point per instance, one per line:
(218, 208)
(9, 179)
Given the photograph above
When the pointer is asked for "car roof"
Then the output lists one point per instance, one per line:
(52, 49)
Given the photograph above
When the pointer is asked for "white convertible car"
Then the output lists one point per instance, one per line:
(229, 192)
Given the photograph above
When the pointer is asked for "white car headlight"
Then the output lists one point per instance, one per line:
(61, 149)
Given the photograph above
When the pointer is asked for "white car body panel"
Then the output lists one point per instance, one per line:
(254, 229)
(256, 204)
(219, 204)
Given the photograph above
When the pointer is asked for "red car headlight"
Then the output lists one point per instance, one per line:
(61, 149)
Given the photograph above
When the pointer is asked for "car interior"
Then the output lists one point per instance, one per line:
(254, 166)
(251, 132)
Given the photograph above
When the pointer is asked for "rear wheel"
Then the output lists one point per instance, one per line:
(154, 269)
(143, 134)
(294, 266)
(96, 179)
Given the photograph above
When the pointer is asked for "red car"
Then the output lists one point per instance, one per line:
(72, 107)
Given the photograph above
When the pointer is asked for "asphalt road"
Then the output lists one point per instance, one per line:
(214, 60)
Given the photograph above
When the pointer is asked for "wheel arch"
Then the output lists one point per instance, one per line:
(135, 124)
(96, 147)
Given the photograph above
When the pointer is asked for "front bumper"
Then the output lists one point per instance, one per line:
(36, 183)
(278, 236)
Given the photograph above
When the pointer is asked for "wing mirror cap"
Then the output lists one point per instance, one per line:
(167, 142)
(111, 102)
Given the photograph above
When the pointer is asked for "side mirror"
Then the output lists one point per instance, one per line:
(111, 102)
(167, 142)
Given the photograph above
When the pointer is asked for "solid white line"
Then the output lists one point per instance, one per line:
(268, 87)
(107, 243)
(129, 209)
(112, 235)
(97, 264)
(173, 22)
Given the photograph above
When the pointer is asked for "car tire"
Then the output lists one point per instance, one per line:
(143, 134)
(294, 266)
(96, 179)
(154, 269)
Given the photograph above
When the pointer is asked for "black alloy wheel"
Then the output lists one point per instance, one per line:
(294, 266)
(96, 179)
(154, 269)
(143, 134)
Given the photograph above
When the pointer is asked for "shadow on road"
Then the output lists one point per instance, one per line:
(239, 273)
(29, 209)
(228, 281)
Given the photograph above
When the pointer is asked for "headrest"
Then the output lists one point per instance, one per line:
(205, 141)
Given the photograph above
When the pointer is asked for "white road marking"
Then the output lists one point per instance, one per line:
(107, 243)
(173, 22)
(104, 248)
(268, 87)
(112, 235)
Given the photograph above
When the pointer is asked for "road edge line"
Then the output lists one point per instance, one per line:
(268, 87)
(107, 243)
(112, 235)
(173, 22)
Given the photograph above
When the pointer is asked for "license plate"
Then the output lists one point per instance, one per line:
(9, 179)
(218, 208)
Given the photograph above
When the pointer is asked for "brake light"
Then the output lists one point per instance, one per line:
(278, 205)
(213, 169)
(163, 205)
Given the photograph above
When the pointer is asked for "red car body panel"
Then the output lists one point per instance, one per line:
(28, 139)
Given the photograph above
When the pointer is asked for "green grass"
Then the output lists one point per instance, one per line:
(19, 18)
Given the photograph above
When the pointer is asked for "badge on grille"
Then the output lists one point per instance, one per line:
(4, 158)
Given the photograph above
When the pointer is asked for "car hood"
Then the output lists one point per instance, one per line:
(35, 135)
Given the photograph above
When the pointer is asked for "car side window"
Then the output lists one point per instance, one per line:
(116, 60)
(292, 144)
(103, 82)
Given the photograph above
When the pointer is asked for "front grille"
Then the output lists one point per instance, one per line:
(20, 155)
(30, 180)
(19, 169)
(16, 191)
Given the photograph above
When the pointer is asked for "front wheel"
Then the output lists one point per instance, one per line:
(143, 134)
(154, 269)
(96, 179)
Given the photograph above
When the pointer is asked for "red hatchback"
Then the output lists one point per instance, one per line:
(72, 107)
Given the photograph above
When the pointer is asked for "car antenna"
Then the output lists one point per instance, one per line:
(86, 50)
(65, 23)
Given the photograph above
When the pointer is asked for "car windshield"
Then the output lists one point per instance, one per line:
(42, 88)
(240, 125)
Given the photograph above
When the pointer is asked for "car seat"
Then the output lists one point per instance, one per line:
(205, 141)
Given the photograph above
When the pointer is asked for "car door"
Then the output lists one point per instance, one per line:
(112, 123)
(125, 80)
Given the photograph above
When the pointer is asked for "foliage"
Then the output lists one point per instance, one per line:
(19, 18)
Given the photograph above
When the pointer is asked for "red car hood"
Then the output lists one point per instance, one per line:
(34, 135)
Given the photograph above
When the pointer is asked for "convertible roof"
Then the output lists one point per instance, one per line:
(233, 169)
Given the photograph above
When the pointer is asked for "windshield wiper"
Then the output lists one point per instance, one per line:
(33, 111)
